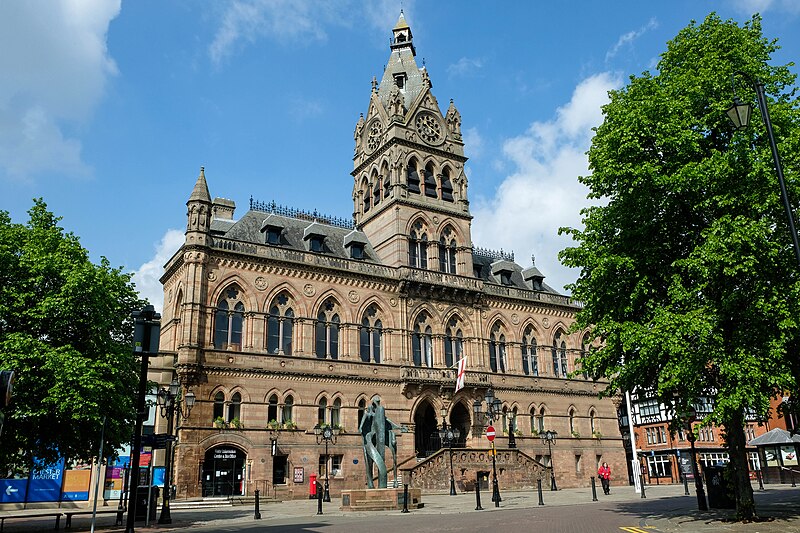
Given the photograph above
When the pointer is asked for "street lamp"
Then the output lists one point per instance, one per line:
(512, 439)
(170, 404)
(326, 434)
(549, 437)
(448, 435)
(493, 412)
(689, 416)
(739, 114)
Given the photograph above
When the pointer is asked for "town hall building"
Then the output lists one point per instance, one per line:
(281, 321)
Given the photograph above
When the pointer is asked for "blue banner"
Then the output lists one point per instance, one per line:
(13, 490)
(45, 482)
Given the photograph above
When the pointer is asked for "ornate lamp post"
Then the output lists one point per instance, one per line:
(690, 416)
(448, 435)
(512, 439)
(171, 406)
(549, 437)
(326, 434)
(493, 412)
(739, 113)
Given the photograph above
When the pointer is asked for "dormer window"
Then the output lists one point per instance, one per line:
(272, 228)
(400, 80)
(316, 243)
(502, 270)
(357, 251)
(505, 277)
(315, 235)
(356, 243)
(273, 235)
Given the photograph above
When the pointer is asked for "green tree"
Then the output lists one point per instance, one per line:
(687, 272)
(65, 330)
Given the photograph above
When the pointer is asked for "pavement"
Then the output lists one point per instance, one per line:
(666, 509)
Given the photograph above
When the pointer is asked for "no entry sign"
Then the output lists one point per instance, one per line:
(490, 433)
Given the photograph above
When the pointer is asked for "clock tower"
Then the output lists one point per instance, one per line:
(410, 189)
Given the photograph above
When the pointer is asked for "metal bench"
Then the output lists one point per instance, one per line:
(42, 514)
(70, 514)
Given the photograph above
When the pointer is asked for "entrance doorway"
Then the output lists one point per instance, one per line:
(426, 434)
(279, 463)
(460, 419)
(223, 471)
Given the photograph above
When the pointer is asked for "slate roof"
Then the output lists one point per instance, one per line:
(482, 267)
(248, 229)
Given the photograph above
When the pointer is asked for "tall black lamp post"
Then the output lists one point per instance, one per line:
(171, 406)
(739, 113)
(549, 437)
(326, 434)
(689, 416)
(511, 420)
(493, 412)
(448, 435)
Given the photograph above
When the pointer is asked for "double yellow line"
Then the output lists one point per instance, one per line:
(636, 530)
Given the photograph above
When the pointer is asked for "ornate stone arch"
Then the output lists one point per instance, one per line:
(248, 295)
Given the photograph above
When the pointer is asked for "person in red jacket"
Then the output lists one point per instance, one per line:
(604, 473)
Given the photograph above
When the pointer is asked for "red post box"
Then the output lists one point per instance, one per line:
(312, 486)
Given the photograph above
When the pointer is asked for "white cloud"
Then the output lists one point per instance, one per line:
(464, 66)
(543, 193)
(473, 142)
(748, 7)
(631, 36)
(146, 276)
(54, 68)
(246, 21)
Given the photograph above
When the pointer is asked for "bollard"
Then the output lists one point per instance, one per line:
(641, 477)
(539, 488)
(319, 497)
(594, 490)
(405, 497)
(685, 485)
(257, 515)
(760, 479)
(478, 493)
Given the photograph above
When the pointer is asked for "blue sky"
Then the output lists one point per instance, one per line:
(108, 109)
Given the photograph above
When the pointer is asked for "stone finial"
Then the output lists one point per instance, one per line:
(200, 191)
(375, 83)
(453, 120)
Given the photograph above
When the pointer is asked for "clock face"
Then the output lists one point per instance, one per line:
(429, 128)
(374, 132)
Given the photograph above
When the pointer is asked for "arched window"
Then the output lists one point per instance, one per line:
(387, 181)
(371, 335)
(530, 361)
(412, 176)
(447, 186)
(288, 410)
(572, 429)
(504, 419)
(447, 252)
(540, 422)
(497, 349)
(453, 343)
(336, 409)
(272, 408)
(219, 405)
(228, 320)
(376, 191)
(280, 322)
(593, 422)
(235, 407)
(430, 182)
(422, 343)
(418, 247)
(365, 195)
(327, 330)
(559, 356)
(585, 347)
(322, 409)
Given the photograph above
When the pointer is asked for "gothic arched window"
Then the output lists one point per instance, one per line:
(453, 343)
(430, 182)
(497, 349)
(235, 407)
(288, 410)
(387, 181)
(336, 410)
(327, 330)
(530, 360)
(559, 355)
(447, 186)
(228, 320)
(219, 405)
(376, 190)
(365, 195)
(422, 342)
(370, 335)
(418, 246)
(280, 322)
(447, 252)
(322, 409)
(412, 176)
(272, 408)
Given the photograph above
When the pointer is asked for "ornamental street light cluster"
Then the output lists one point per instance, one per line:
(448, 435)
(549, 437)
(171, 407)
(326, 434)
(493, 412)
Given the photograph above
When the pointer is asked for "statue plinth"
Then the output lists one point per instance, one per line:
(380, 499)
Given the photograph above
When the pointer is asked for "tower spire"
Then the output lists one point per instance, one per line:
(200, 191)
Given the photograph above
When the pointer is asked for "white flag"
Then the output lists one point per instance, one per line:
(462, 371)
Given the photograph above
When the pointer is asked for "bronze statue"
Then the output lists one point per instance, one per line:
(377, 432)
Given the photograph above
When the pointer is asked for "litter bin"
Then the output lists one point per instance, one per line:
(141, 502)
(717, 488)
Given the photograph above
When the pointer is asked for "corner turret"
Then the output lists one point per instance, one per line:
(198, 215)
